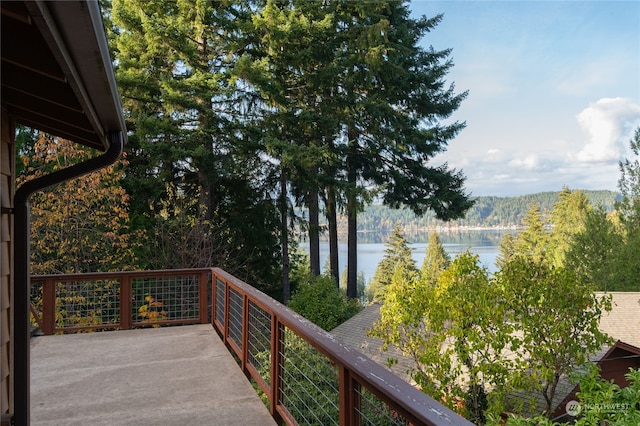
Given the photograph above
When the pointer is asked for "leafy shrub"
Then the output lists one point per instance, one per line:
(322, 303)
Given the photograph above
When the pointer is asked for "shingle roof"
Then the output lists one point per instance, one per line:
(623, 322)
(353, 332)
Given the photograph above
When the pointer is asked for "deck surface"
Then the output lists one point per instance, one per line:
(157, 376)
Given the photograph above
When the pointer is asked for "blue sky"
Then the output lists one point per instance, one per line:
(554, 91)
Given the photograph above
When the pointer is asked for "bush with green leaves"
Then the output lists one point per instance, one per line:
(321, 302)
(601, 402)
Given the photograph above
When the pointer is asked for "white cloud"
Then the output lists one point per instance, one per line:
(608, 122)
(530, 162)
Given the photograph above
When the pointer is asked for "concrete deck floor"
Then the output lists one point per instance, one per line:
(158, 376)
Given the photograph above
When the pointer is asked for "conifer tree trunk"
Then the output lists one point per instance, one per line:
(332, 218)
(352, 223)
(352, 249)
(284, 235)
(314, 231)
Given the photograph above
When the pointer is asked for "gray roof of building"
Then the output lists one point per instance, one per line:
(354, 332)
(623, 321)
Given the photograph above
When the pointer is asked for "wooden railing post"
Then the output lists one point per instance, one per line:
(125, 301)
(203, 296)
(49, 307)
(347, 400)
(245, 332)
(276, 367)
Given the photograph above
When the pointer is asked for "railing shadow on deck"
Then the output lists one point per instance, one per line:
(304, 374)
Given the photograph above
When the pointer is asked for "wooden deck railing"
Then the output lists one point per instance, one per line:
(306, 375)
(119, 300)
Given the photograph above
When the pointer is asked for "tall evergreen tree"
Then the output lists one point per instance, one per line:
(629, 184)
(568, 218)
(435, 261)
(394, 95)
(533, 241)
(594, 252)
(397, 254)
(287, 68)
(188, 125)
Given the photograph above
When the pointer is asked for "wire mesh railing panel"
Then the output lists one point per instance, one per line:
(87, 303)
(259, 341)
(235, 317)
(372, 411)
(36, 303)
(220, 302)
(309, 383)
(165, 298)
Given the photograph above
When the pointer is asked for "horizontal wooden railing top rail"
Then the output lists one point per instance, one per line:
(306, 375)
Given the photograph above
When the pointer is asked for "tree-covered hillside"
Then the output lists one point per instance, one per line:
(486, 212)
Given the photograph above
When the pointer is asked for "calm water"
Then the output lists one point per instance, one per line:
(371, 248)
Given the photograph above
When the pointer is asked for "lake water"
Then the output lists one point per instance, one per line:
(371, 246)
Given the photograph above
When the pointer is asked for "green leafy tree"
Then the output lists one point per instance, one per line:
(321, 302)
(454, 331)
(606, 403)
(474, 339)
(605, 253)
(397, 254)
(557, 317)
(600, 402)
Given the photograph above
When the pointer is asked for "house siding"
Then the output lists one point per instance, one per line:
(7, 188)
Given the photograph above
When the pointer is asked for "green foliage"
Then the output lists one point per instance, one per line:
(604, 402)
(629, 185)
(533, 241)
(321, 302)
(549, 239)
(568, 218)
(600, 402)
(459, 331)
(454, 331)
(506, 249)
(486, 212)
(397, 254)
(595, 254)
(189, 141)
(362, 293)
(606, 250)
(435, 261)
(557, 317)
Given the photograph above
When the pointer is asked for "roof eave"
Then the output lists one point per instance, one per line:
(74, 34)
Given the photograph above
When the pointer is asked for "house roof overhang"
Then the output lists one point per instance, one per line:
(57, 74)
